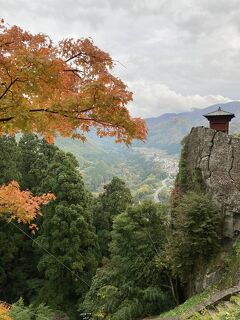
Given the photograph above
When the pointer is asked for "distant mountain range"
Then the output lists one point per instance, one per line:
(167, 131)
(101, 159)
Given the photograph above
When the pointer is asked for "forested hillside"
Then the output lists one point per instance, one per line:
(51, 265)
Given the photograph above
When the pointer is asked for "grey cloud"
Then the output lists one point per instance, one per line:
(155, 97)
(177, 54)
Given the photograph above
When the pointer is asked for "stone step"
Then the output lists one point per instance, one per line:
(212, 314)
(230, 305)
(225, 307)
(235, 299)
(221, 308)
(221, 304)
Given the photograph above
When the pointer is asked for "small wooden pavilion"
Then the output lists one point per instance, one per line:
(219, 119)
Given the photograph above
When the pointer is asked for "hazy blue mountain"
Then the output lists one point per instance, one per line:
(167, 131)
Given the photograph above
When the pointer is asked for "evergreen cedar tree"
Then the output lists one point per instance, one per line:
(65, 230)
(114, 200)
(49, 89)
(130, 285)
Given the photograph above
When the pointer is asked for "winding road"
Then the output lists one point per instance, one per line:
(164, 185)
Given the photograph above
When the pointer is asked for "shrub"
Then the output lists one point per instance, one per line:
(195, 233)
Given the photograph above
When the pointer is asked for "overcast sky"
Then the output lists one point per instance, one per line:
(178, 54)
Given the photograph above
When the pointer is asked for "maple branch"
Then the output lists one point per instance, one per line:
(59, 112)
(8, 88)
(120, 63)
(45, 110)
(73, 70)
(6, 119)
(6, 44)
(78, 118)
(75, 56)
(103, 123)
(87, 55)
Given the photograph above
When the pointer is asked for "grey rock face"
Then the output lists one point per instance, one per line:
(217, 155)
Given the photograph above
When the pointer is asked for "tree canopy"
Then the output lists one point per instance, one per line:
(130, 284)
(65, 88)
(58, 268)
(113, 201)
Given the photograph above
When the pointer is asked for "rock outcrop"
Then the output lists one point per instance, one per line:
(217, 156)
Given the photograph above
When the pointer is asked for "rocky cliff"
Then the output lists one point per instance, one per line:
(210, 162)
(217, 156)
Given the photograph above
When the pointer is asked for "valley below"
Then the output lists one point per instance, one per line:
(149, 168)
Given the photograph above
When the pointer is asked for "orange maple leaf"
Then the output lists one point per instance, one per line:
(21, 205)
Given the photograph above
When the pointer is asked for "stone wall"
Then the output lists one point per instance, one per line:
(217, 155)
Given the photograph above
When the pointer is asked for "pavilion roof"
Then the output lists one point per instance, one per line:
(218, 113)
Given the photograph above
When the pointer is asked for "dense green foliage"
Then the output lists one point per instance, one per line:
(16, 252)
(113, 201)
(130, 284)
(17, 263)
(106, 255)
(68, 234)
(57, 268)
(196, 222)
(8, 160)
(21, 312)
(35, 155)
(195, 234)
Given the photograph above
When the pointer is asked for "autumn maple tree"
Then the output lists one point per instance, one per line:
(65, 88)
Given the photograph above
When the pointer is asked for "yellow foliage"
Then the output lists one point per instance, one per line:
(100, 314)
(4, 312)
